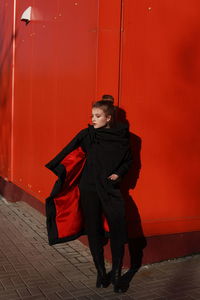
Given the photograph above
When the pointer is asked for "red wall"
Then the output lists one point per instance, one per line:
(160, 89)
(144, 53)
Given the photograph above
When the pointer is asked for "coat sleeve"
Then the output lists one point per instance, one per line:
(54, 164)
(125, 164)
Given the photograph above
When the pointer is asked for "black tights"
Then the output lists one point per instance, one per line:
(92, 211)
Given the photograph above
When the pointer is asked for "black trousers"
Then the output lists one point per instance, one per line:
(93, 209)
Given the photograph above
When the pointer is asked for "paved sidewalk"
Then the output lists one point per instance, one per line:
(31, 269)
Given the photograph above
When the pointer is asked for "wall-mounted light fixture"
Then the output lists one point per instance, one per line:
(26, 16)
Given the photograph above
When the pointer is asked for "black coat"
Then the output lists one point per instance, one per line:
(109, 151)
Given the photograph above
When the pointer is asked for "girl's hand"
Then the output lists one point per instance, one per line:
(113, 177)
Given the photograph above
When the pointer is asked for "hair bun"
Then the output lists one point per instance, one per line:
(109, 98)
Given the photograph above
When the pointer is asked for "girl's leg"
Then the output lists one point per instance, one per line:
(91, 208)
(92, 213)
(116, 220)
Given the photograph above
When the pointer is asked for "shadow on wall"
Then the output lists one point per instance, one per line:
(136, 240)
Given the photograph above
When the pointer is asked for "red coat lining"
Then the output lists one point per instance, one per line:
(69, 218)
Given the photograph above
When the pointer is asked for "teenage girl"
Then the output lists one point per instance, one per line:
(106, 147)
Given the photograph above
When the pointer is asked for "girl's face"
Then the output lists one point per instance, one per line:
(99, 118)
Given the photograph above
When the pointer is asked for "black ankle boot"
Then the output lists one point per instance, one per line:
(115, 279)
(119, 285)
(103, 280)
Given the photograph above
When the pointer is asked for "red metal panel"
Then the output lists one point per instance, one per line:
(160, 93)
(55, 81)
(6, 56)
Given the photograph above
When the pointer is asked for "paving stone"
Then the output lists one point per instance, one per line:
(64, 294)
(24, 292)
(9, 294)
(46, 288)
(35, 298)
(52, 296)
(35, 291)
(7, 283)
(94, 297)
(18, 282)
(126, 297)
